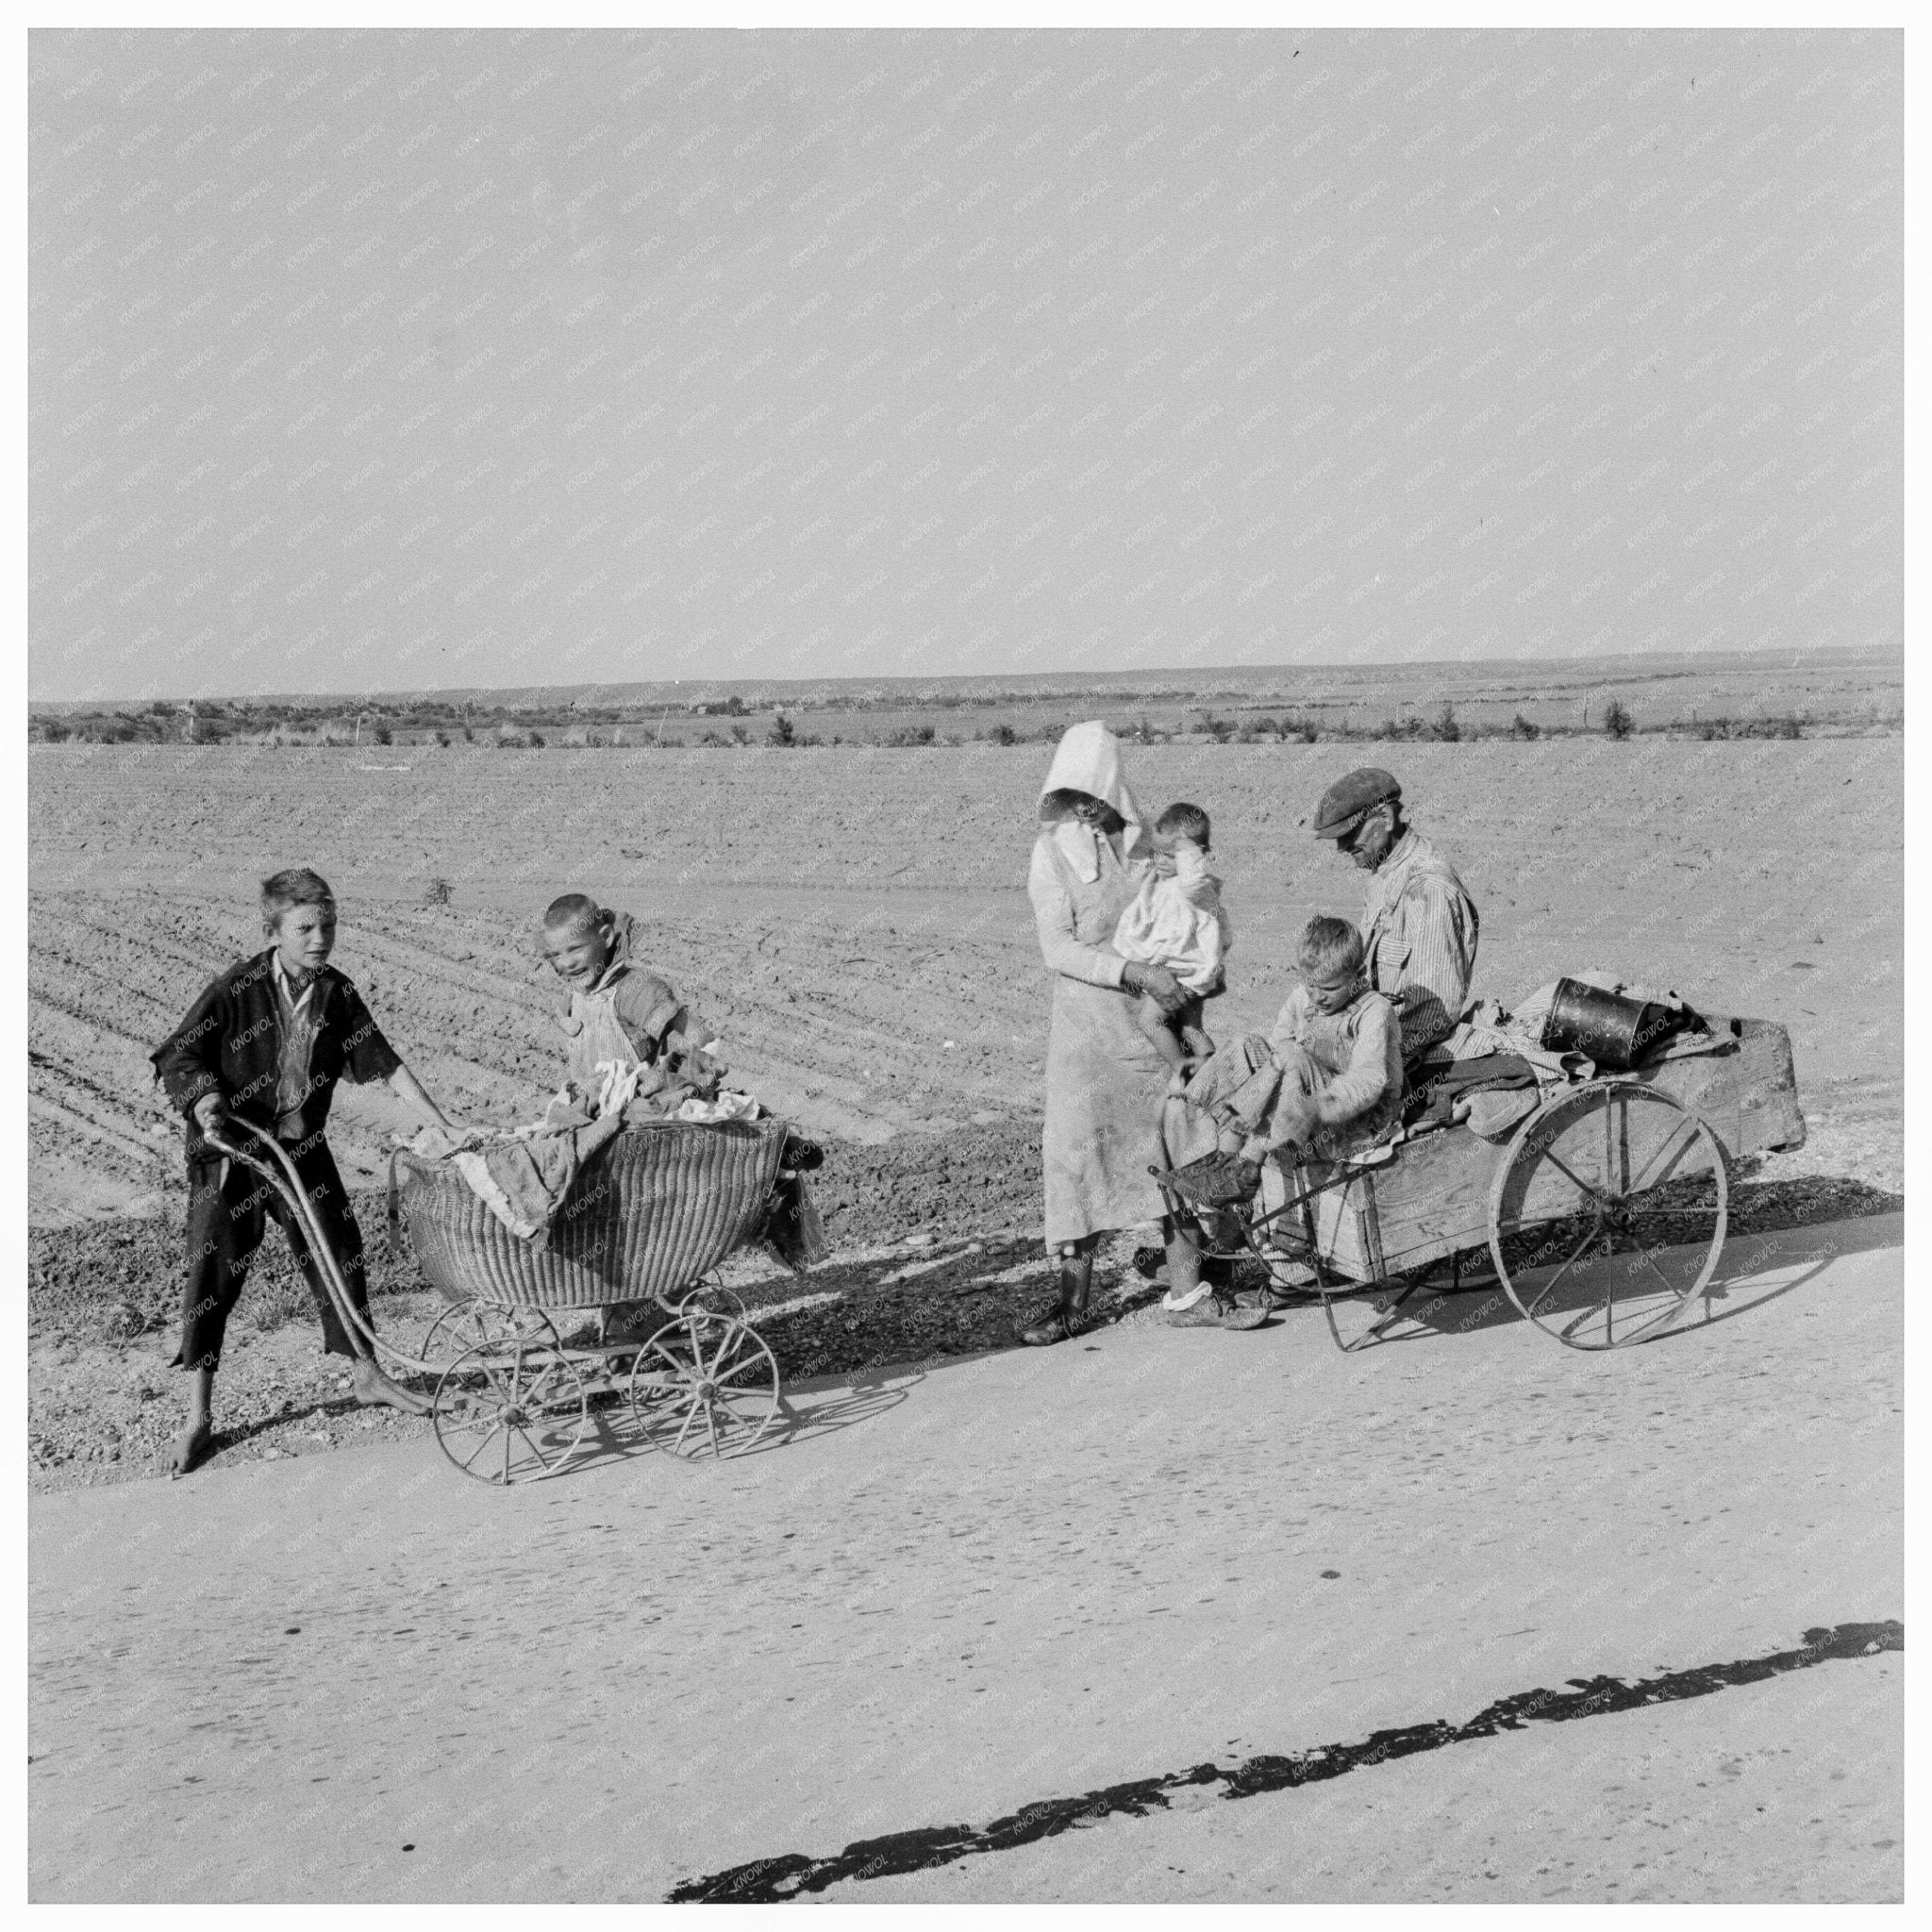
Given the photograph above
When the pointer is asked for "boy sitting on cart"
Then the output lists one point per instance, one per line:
(1326, 1081)
(267, 1042)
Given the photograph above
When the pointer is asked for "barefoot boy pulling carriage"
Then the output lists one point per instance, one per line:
(267, 1042)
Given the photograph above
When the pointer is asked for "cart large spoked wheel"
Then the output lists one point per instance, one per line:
(1576, 1249)
(705, 1383)
(512, 1407)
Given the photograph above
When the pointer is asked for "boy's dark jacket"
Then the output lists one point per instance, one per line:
(230, 1043)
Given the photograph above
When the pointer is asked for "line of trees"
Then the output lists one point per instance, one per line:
(508, 728)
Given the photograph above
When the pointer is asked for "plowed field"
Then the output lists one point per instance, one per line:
(854, 923)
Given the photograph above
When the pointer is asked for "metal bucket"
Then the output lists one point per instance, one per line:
(1605, 1027)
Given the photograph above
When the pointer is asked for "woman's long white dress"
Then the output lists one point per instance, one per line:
(1105, 1081)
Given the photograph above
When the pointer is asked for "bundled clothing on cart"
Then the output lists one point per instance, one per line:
(1495, 1067)
(275, 1054)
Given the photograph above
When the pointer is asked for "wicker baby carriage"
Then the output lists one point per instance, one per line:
(650, 1216)
(653, 1211)
(645, 1221)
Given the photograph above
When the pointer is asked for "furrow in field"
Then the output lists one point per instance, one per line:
(87, 1078)
(184, 922)
(123, 1014)
(136, 1157)
(450, 965)
(865, 1054)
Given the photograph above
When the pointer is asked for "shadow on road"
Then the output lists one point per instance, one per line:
(808, 1413)
(805, 1414)
(787, 1875)
(1755, 1269)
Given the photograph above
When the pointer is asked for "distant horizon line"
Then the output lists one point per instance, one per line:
(696, 689)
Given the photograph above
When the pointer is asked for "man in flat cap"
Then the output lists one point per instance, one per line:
(1419, 938)
(1418, 923)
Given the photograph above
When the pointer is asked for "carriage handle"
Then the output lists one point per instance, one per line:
(288, 1185)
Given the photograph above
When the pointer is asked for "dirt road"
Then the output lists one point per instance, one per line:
(1026, 1577)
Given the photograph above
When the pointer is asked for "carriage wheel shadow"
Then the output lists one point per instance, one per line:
(805, 1413)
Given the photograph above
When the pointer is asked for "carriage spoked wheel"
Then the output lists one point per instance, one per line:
(710, 1298)
(706, 1383)
(464, 1325)
(1608, 1214)
(512, 1407)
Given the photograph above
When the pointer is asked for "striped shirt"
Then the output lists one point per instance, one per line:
(296, 1012)
(1419, 930)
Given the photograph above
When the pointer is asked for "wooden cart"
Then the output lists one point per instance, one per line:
(1601, 1218)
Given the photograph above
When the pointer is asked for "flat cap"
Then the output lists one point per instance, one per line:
(1348, 799)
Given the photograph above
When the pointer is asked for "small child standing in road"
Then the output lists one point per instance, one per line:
(267, 1042)
(1175, 920)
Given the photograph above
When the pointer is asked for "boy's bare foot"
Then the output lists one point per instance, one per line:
(373, 1389)
(197, 1436)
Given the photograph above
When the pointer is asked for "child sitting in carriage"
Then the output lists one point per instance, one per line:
(635, 1044)
(625, 1020)
(1175, 920)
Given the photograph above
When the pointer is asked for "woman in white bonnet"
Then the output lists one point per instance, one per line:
(1106, 1082)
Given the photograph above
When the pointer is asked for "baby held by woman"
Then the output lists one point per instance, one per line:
(1175, 920)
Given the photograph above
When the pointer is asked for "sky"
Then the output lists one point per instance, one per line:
(402, 361)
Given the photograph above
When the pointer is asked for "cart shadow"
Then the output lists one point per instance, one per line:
(1758, 1259)
(1430, 1313)
(1810, 1248)
(805, 1414)
(961, 1266)
(1761, 1261)
(1757, 1266)
(1814, 1200)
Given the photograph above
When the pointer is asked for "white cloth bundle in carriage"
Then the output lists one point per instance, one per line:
(617, 1093)
(524, 1177)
